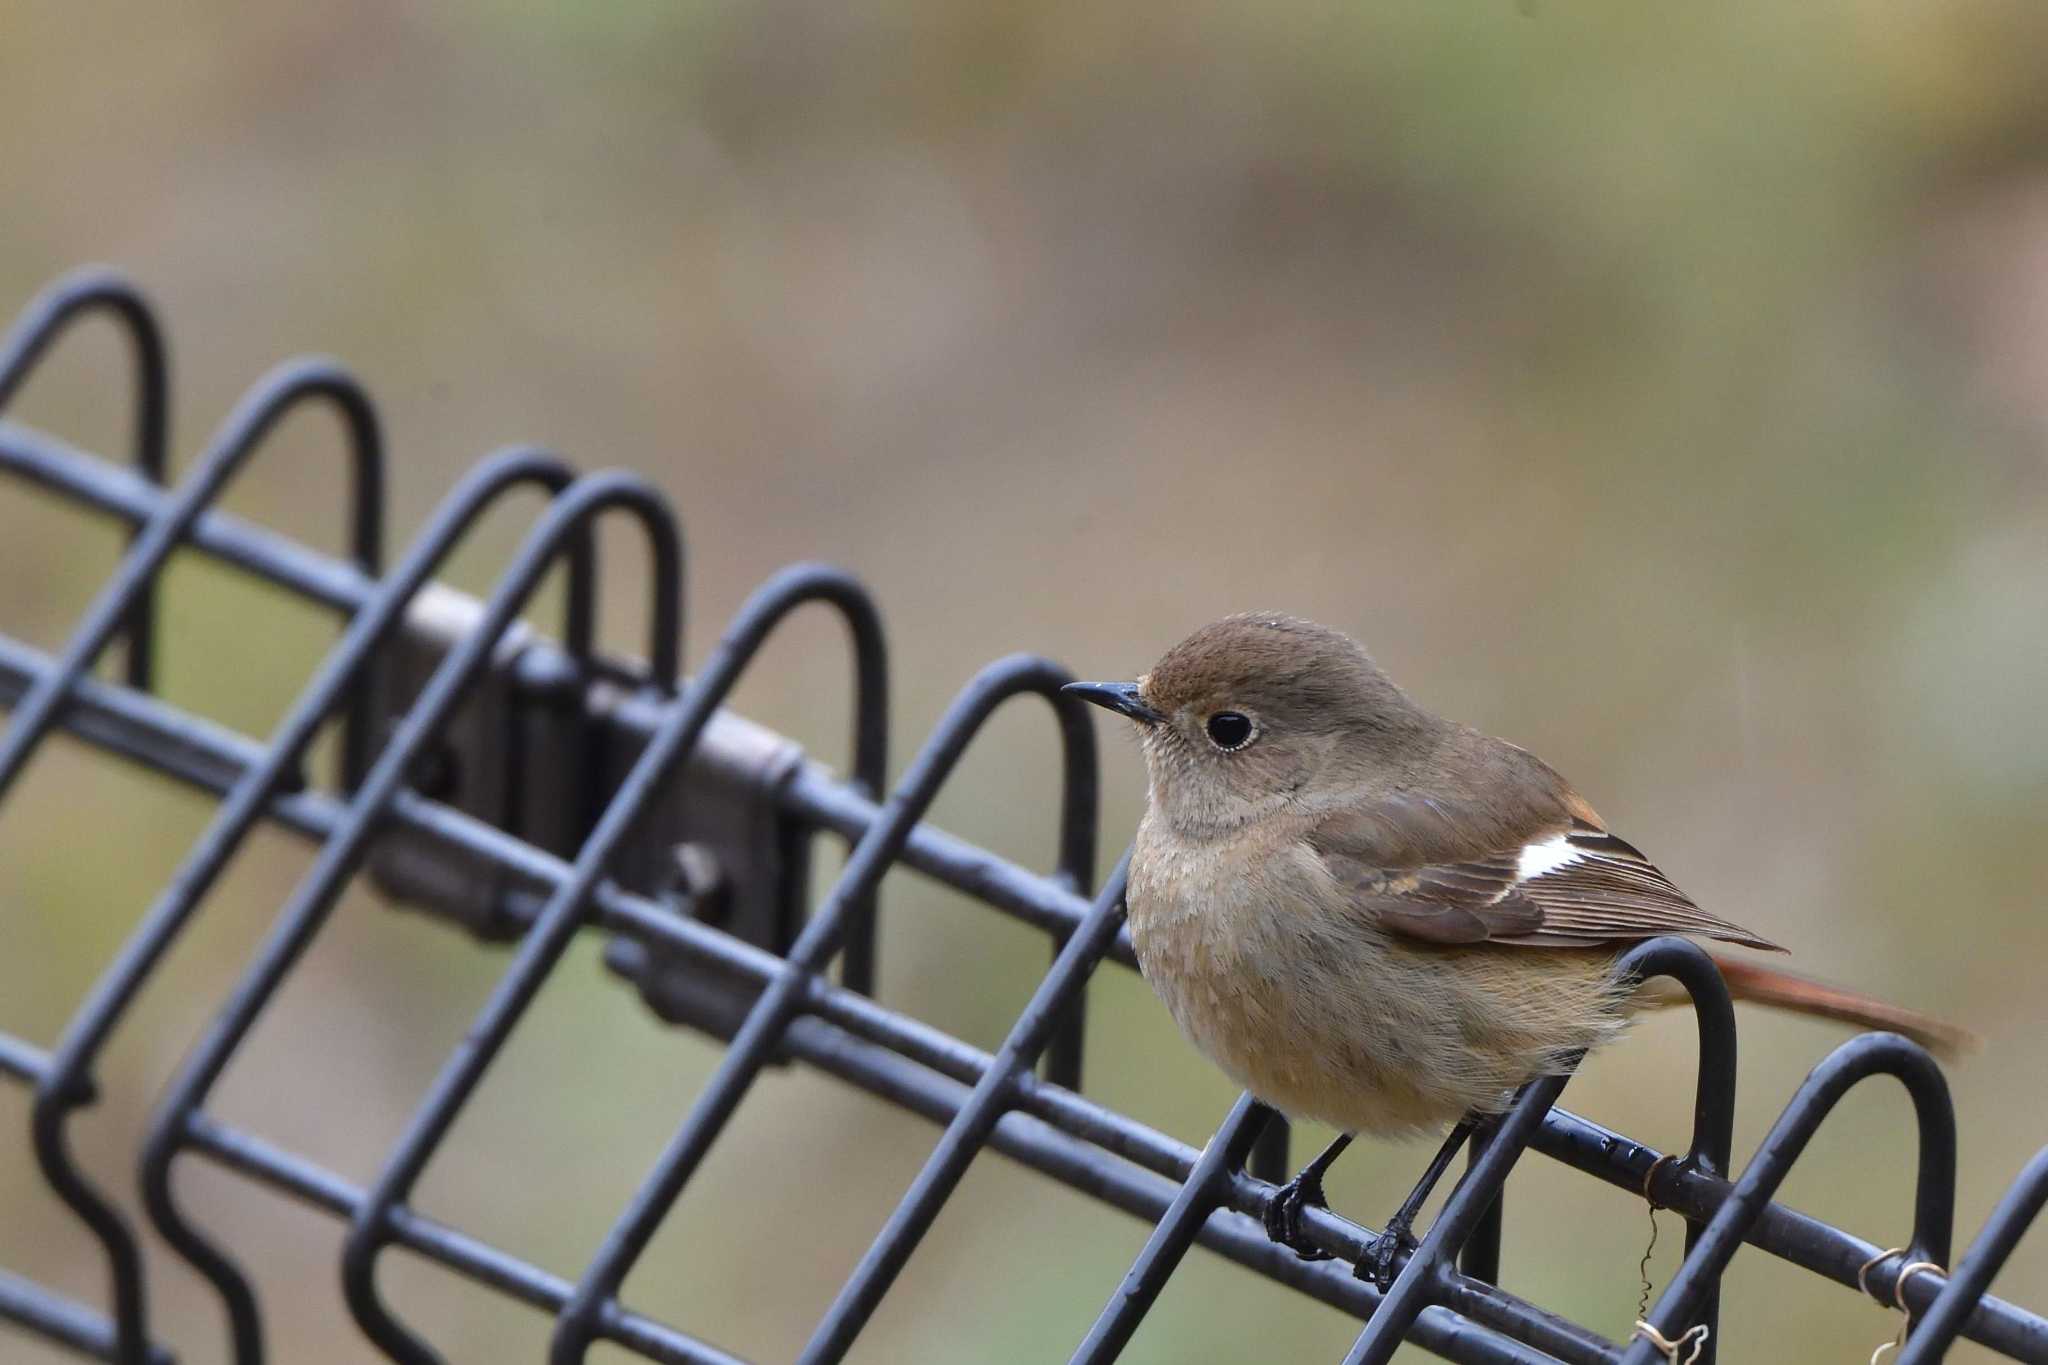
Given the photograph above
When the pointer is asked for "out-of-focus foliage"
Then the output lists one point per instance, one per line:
(1665, 388)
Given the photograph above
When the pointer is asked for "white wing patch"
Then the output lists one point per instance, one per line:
(1547, 856)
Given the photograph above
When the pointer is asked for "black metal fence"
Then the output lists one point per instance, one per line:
(527, 790)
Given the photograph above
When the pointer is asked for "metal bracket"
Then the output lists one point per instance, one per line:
(537, 747)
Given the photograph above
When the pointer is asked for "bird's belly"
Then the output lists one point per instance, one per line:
(1326, 1018)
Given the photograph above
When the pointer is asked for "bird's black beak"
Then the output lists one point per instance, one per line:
(1121, 698)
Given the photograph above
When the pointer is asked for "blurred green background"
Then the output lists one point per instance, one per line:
(1665, 388)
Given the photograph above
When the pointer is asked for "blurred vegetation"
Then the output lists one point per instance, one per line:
(1666, 389)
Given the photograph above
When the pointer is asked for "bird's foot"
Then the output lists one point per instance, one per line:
(1283, 1214)
(1378, 1266)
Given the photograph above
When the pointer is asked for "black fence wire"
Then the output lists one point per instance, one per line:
(527, 790)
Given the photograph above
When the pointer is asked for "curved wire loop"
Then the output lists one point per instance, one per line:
(67, 1085)
(1841, 1070)
(273, 398)
(1076, 871)
(554, 929)
(1939, 1326)
(1713, 1109)
(585, 1316)
(1713, 1113)
(870, 762)
(48, 316)
(561, 528)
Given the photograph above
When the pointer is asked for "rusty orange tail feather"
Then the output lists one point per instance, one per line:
(1801, 995)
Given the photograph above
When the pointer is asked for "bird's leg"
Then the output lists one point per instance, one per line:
(1399, 1234)
(1305, 1191)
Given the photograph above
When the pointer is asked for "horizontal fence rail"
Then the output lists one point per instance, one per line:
(584, 827)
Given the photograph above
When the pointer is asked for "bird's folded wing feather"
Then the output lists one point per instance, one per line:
(1565, 883)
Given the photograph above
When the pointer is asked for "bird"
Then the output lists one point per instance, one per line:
(1381, 919)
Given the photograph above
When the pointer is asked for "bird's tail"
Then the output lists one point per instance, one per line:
(1801, 995)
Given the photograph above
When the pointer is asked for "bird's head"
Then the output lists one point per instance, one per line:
(1255, 712)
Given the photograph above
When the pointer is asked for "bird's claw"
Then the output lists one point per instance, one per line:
(1378, 1264)
(1283, 1215)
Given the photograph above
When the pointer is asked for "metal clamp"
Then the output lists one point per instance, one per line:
(720, 847)
(534, 750)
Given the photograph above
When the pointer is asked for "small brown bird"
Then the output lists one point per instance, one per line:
(1377, 918)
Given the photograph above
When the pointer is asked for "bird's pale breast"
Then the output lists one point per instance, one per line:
(1312, 1007)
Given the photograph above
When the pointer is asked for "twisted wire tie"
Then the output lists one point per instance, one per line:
(1695, 1335)
(1643, 1266)
(1906, 1272)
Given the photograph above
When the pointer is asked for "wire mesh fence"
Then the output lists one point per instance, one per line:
(528, 789)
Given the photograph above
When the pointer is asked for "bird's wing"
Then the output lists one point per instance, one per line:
(1567, 883)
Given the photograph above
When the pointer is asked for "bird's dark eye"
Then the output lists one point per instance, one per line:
(1229, 729)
